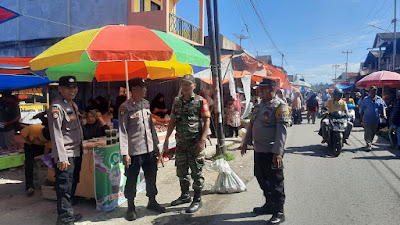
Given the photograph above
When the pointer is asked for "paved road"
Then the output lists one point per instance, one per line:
(355, 188)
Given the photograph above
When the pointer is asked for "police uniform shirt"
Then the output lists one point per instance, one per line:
(137, 134)
(65, 130)
(267, 128)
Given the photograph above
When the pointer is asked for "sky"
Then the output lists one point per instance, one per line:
(312, 34)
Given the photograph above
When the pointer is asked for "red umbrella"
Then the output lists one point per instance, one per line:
(380, 79)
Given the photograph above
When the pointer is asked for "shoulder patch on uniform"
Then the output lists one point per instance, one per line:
(122, 111)
(55, 114)
(282, 114)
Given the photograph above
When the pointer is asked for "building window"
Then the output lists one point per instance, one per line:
(155, 6)
(141, 5)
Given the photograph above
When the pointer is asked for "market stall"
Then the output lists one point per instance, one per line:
(102, 173)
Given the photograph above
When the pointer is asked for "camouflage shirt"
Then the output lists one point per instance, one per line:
(188, 116)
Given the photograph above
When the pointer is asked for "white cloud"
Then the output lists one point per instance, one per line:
(326, 72)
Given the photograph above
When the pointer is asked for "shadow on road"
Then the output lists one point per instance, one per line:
(310, 150)
(221, 219)
(378, 157)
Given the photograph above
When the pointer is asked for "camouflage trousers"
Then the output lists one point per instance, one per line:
(185, 158)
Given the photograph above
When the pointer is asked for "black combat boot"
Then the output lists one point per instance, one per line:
(267, 208)
(77, 217)
(196, 204)
(278, 217)
(153, 205)
(184, 198)
(131, 213)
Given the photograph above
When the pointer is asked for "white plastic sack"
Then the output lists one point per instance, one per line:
(227, 180)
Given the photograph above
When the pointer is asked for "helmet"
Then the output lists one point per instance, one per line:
(338, 91)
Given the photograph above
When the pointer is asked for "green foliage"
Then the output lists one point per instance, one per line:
(226, 156)
(230, 145)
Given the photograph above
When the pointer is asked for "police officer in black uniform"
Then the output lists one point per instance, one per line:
(138, 144)
(267, 132)
(66, 137)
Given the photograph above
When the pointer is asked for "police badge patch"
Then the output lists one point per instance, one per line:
(122, 111)
(55, 112)
(55, 115)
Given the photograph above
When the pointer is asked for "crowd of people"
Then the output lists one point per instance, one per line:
(64, 128)
(373, 109)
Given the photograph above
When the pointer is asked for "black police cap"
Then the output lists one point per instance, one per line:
(267, 82)
(67, 81)
(136, 82)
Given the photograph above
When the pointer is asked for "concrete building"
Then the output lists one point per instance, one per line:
(44, 22)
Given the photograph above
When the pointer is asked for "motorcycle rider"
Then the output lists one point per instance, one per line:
(336, 104)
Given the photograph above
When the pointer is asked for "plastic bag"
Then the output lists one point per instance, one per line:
(227, 180)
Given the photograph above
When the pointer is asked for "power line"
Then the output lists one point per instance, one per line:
(372, 9)
(55, 22)
(246, 25)
(268, 34)
(264, 27)
(325, 36)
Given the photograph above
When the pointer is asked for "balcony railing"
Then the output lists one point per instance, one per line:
(184, 28)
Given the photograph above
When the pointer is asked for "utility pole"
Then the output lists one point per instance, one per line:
(335, 66)
(347, 59)
(282, 60)
(221, 148)
(216, 80)
(394, 36)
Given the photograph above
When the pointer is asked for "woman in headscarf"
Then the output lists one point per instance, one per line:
(232, 116)
(158, 107)
(280, 95)
(95, 126)
(297, 107)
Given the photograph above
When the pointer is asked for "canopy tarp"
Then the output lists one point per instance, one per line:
(17, 61)
(300, 83)
(21, 82)
(345, 86)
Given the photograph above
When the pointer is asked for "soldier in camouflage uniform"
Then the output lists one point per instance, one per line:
(191, 117)
(267, 132)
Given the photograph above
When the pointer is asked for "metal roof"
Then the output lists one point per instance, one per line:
(384, 39)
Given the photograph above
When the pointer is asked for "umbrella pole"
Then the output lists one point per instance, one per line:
(109, 97)
(126, 80)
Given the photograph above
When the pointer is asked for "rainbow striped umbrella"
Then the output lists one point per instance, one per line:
(117, 53)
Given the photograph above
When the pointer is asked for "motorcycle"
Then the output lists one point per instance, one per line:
(352, 112)
(336, 129)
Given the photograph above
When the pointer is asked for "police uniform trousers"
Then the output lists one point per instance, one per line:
(31, 151)
(65, 187)
(148, 162)
(185, 158)
(270, 179)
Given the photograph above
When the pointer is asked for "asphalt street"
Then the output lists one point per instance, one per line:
(357, 187)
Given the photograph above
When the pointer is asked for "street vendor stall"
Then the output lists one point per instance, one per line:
(102, 173)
